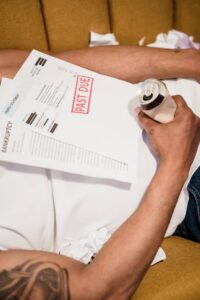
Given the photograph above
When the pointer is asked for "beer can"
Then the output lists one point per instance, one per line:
(155, 101)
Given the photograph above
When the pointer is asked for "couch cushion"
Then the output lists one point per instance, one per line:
(21, 25)
(187, 17)
(177, 278)
(69, 22)
(133, 19)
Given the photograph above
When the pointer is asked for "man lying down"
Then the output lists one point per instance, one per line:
(79, 238)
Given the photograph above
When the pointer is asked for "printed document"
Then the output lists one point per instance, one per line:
(75, 106)
(22, 145)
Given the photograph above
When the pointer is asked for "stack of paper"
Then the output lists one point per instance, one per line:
(60, 116)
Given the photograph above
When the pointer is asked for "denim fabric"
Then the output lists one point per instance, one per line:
(190, 227)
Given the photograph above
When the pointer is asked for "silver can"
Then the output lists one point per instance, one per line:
(155, 101)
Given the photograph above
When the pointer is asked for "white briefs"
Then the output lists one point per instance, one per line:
(75, 215)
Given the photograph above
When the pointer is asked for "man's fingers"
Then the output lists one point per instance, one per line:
(179, 100)
(181, 105)
(146, 122)
(183, 110)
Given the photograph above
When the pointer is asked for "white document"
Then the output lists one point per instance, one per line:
(75, 106)
(22, 145)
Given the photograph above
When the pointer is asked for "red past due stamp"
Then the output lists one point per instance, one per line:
(82, 95)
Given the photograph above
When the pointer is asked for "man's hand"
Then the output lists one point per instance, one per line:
(175, 142)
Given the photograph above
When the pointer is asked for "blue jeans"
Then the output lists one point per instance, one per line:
(190, 227)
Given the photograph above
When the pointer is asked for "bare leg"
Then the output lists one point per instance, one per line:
(8, 72)
(134, 63)
(10, 62)
(131, 63)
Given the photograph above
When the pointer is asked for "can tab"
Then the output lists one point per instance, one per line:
(147, 97)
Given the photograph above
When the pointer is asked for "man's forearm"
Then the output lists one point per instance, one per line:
(125, 258)
(136, 242)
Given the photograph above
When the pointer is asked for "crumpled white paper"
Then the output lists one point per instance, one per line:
(86, 248)
(173, 40)
(97, 39)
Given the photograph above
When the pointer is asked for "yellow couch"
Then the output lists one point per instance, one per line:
(65, 24)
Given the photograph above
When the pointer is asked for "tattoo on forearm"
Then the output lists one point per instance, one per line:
(35, 280)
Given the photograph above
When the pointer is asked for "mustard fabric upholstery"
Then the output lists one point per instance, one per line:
(133, 19)
(65, 24)
(69, 22)
(60, 25)
(21, 25)
(187, 17)
(177, 278)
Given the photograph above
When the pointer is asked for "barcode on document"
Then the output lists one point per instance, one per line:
(41, 61)
(31, 118)
(53, 128)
